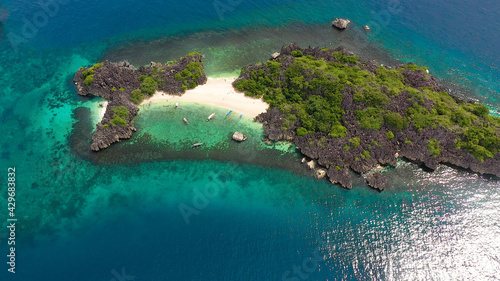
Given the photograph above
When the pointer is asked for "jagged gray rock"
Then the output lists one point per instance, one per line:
(340, 23)
(237, 136)
(376, 180)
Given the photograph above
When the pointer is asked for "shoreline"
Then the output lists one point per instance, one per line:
(217, 92)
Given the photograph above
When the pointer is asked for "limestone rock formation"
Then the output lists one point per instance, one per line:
(377, 180)
(237, 136)
(320, 173)
(338, 155)
(340, 23)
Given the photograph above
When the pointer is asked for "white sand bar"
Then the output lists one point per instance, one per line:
(218, 92)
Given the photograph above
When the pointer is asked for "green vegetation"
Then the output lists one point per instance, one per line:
(482, 142)
(297, 53)
(121, 111)
(88, 75)
(105, 126)
(148, 85)
(338, 131)
(345, 59)
(412, 66)
(338, 168)
(301, 131)
(188, 76)
(113, 89)
(371, 118)
(120, 115)
(395, 120)
(137, 96)
(374, 142)
(88, 80)
(434, 147)
(389, 135)
(371, 96)
(355, 142)
(122, 89)
(365, 154)
(117, 120)
(194, 54)
(170, 63)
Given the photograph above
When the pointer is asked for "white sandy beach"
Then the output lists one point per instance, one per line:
(218, 92)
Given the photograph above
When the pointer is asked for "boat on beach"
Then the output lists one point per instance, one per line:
(185, 120)
(211, 116)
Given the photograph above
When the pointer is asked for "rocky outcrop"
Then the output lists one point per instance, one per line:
(116, 81)
(104, 136)
(320, 173)
(374, 148)
(341, 176)
(420, 78)
(340, 23)
(376, 180)
(237, 136)
(273, 121)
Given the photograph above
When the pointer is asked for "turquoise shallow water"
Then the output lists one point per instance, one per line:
(87, 218)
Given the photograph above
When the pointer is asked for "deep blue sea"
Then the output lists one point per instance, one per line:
(149, 209)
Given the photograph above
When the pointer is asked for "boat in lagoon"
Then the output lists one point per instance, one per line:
(227, 115)
(176, 105)
(197, 144)
(241, 116)
(211, 116)
(185, 121)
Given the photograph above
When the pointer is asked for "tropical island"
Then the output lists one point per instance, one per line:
(125, 87)
(340, 111)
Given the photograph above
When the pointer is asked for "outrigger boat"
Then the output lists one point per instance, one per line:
(227, 115)
(185, 121)
(211, 116)
(197, 144)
